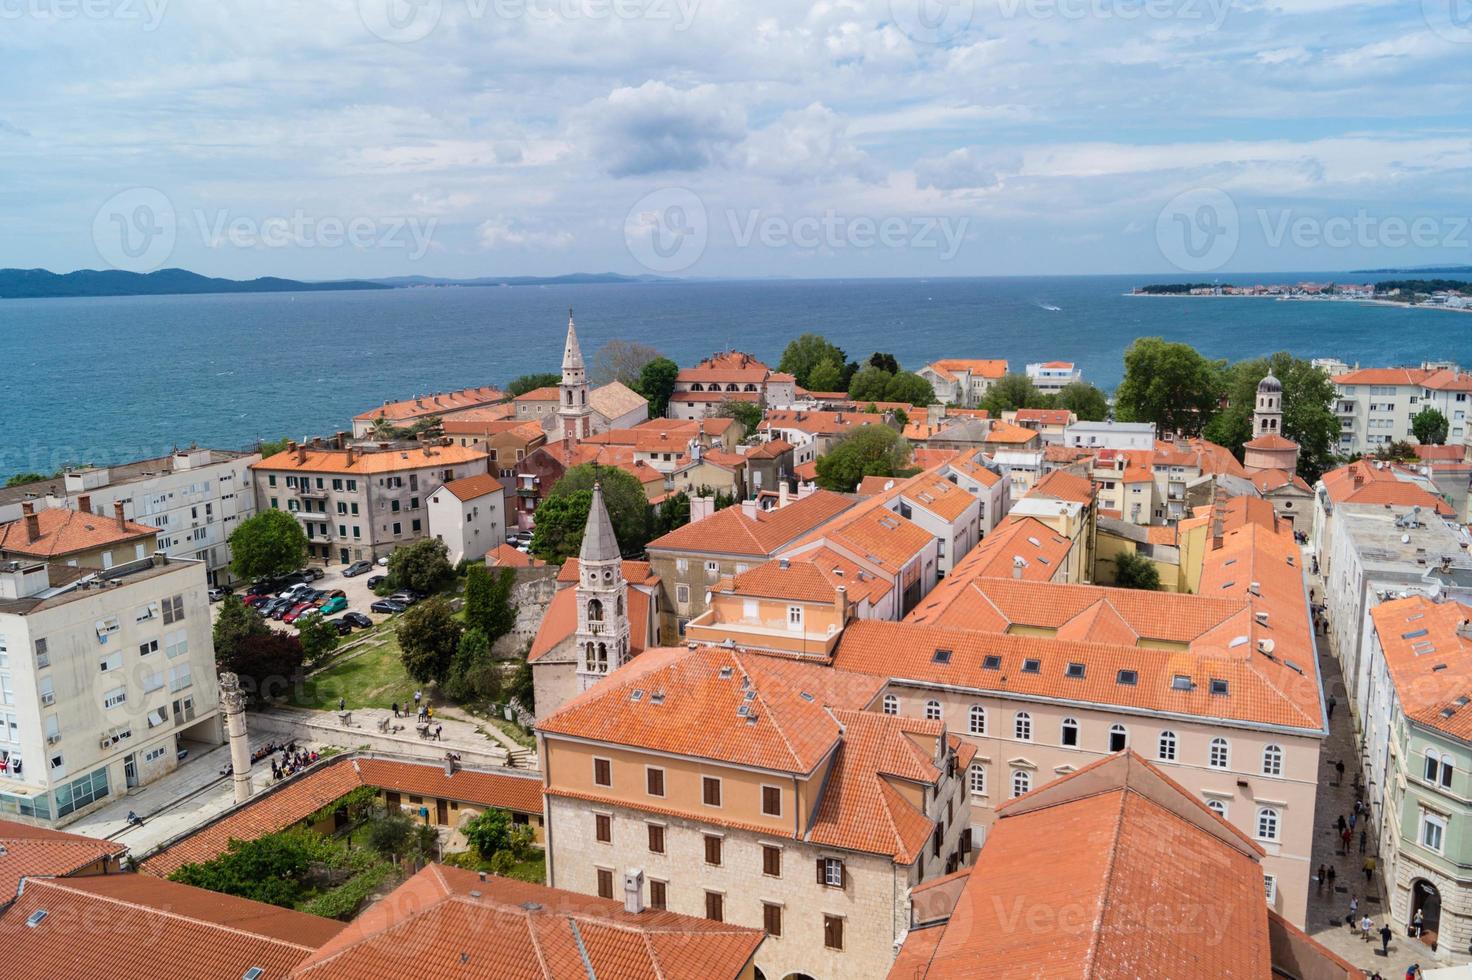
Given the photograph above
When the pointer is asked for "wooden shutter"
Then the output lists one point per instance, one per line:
(820, 872)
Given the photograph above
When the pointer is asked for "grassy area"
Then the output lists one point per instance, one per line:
(518, 734)
(533, 869)
(370, 676)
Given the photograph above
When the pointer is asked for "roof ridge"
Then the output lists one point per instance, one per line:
(885, 791)
(653, 955)
(1096, 933)
(536, 942)
(767, 710)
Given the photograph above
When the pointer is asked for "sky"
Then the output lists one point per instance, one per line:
(323, 139)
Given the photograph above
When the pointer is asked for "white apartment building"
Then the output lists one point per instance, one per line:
(1051, 377)
(1110, 435)
(1375, 406)
(195, 497)
(469, 516)
(107, 680)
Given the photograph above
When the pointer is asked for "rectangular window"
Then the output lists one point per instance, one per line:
(605, 883)
(602, 772)
(682, 594)
(715, 906)
(153, 682)
(603, 828)
(771, 861)
(772, 801)
(115, 697)
(713, 850)
(772, 919)
(710, 790)
(833, 932)
(654, 781)
(656, 839)
(111, 661)
(830, 872)
(180, 677)
(1433, 832)
(657, 897)
(173, 609)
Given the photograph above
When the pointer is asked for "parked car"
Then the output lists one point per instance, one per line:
(375, 581)
(261, 588)
(295, 578)
(406, 596)
(342, 626)
(313, 572)
(357, 568)
(257, 599)
(333, 604)
(388, 606)
(217, 593)
(357, 619)
(383, 562)
(297, 612)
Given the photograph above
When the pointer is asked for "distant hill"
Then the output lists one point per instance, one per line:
(1454, 270)
(572, 279)
(41, 284)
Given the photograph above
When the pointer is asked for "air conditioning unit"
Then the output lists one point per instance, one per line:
(53, 739)
(48, 699)
(106, 742)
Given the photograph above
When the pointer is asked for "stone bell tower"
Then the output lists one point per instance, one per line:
(602, 598)
(573, 410)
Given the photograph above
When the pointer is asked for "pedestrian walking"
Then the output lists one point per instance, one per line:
(1363, 840)
(1345, 838)
(1340, 823)
(1353, 819)
(429, 711)
(1332, 875)
(1332, 702)
(1354, 911)
(342, 704)
(1385, 935)
(437, 730)
(396, 709)
(1369, 869)
(1365, 926)
(1319, 880)
(1339, 769)
(417, 696)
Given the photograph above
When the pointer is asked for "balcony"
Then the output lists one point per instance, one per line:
(312, 492)
(528, 491)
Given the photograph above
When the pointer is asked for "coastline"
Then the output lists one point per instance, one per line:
(1357, 301)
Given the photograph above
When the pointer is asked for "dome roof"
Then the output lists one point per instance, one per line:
(1270, 383)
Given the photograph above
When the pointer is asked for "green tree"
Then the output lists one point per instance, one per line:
(429, 635)
(884, 362)
(657, 383)
(560, 522)
(1134, 571)
(423, 566)
(803, 356)
(235, 622)
(473, 674)
(22, 479)
(1084, 400)
(909, 388)
(389, 833)
(747, 414)
(827, 376)
(870, 384)
(1009, 393)
(622, 361)
(268, 448)
(268, 664)
(870, 450)
(1430, 427)
(490, 832)
(268, 545)
(269, 869)
(623, 496)
(1398, 451)
(1169, 384)
(1308, 415)
(317, 636)
(478, 589)
(672, 513)
(531, 382)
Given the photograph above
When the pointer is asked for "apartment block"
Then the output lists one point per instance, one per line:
(469, 516)
(962, 382)
(440, 405)
(1375, 406)
(756, 791)
(1051, 377)
(107, 680)
(355, 503)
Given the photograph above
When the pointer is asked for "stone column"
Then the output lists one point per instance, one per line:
(234, 704)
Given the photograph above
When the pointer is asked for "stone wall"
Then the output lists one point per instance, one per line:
(532, 594)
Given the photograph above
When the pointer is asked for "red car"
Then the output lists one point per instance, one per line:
(255, 600)
(297, 611)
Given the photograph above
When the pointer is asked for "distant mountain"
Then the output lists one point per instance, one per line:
(39, 283)
(1455, 270)
(572, 279)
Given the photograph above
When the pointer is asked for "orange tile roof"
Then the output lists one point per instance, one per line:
(505, 556)
(1267, 481)
(449, 922)
(1430, 662)
(325, 460)
(806, 472)
(1063, 485)
(1382, 376)
(128, 925)
(1057, 364)
(880, 536)
(1446, 380)
(820, 423)
(986, 368)
(726, 367)
(730, 531)
(1453, 453)
(524, 429)
(37, 851)
(1041, 550)
(427, 405)
(474, 487)
(688, 705)
(290, 802)
(770, 449)
(1364, 482)
(1105, 842)
(938, 495)
(1005, 433)
(721, 458)
(548, 394)
(1270, 441)
(870, 485)
(1044, 416)
(64, 531)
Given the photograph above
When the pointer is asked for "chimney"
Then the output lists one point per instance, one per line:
(840, 604)
(634, 891)
(117, 512)
(749, 509)
(33, 523)
(1255, 588)
(352, 455)
(84, 504)
(782, 493)
(301, 454)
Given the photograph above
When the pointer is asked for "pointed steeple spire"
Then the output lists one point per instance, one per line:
(572, 354)
(599, 541)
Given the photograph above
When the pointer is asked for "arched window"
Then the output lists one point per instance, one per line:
(1433, 765)
(595, 611)
(1218, 757)
(1118, 738)
(619, 606)
(751, 387)
(1438, 768)
(1217, 807)
(1069, 732)
(1022, 727)
(697, 386)
(1267, 823)
(932, 710)
(603, 658)
(1167, 749)
(733, 386)
(978, 779)
(1021, 782)
(977, 720)
(891, 704)
(1272, 761)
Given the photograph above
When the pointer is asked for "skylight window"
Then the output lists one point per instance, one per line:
(1032, 666)
(1075, 670)
(941, 657)
(1413, 634)
(991, 663)
(1218, 686)
(1127, 677)
(1182, 682)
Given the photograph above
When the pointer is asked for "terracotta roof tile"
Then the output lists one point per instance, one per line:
(27, 850)
(1023, 544)
(547, 394)
(64, 531)
(474, 487)
(1430, 661)
(1063, 485)
(427, 405)
(505, 556)
(1382, 376)
(983, 367)
(561, 621)
(1364, 482)
(324, 460)
(1270, 441)
(730, 531)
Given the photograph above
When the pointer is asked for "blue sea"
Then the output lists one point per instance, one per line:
(109, 379)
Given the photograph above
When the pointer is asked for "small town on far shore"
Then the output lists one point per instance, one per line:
(829, 667)
(1446, 294)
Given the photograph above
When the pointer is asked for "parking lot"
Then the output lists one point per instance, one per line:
(359, 596)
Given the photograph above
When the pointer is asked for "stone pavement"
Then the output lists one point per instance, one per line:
(1328, 907)
(481, 743)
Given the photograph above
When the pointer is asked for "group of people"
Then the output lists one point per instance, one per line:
(293, 760)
